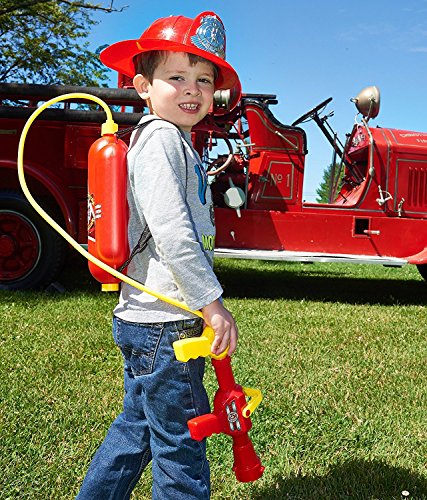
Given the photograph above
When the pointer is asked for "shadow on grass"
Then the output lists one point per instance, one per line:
(318, 283)
(351, 480)
(269, 280)
(76, 276)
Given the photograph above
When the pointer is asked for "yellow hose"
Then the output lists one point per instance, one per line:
(109, 127)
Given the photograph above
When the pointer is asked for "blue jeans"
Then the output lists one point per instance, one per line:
(161, 395)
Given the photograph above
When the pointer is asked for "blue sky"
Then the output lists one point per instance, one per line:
(307, 51)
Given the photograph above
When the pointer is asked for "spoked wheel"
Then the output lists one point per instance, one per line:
(31, 253)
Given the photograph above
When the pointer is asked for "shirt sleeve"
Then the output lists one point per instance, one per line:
(160, 178)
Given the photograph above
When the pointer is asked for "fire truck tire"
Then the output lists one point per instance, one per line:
(422, 268)
(32, 254)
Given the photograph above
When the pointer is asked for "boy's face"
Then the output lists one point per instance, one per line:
(180, 92)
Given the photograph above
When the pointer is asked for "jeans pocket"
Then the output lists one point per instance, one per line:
(138, 343)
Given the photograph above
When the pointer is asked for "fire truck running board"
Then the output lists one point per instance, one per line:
(237, 253)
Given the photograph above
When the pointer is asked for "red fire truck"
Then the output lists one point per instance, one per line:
(377, 209)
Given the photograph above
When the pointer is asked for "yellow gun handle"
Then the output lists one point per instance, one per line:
(256, 398)
(193, 348)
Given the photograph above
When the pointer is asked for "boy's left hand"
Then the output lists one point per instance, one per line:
(223, 324)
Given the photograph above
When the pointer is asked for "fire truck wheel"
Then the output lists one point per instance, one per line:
(32, 254)
(422, 268)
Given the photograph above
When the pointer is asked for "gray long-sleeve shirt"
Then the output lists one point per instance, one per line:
(169, 192)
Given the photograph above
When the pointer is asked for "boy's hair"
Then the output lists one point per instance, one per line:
(146, 62)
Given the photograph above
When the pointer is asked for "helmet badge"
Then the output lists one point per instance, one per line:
(210, 36)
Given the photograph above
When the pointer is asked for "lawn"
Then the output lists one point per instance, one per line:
(339, 352)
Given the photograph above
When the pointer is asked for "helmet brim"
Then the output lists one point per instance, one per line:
(119, 56)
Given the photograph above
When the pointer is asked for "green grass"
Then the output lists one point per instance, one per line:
(339, 352)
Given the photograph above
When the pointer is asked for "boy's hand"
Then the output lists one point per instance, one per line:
(222, 322)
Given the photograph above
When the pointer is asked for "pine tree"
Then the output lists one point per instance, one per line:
(324, 191)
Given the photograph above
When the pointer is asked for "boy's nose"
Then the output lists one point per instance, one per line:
(192, 89)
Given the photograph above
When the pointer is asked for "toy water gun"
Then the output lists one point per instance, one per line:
(107, 166)
(231, 413)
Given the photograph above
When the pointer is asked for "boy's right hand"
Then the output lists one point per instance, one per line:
(223, 324)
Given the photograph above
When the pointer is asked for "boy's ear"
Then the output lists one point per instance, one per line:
(141, 86)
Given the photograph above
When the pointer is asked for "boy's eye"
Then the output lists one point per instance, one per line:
(176, 77)
(205, 80)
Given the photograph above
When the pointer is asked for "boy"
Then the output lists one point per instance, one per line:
(177, 64)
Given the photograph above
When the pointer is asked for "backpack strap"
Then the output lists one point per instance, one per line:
(146, 233)
(139, 247)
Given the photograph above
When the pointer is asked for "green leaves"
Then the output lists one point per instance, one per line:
(44, 42)
(325, 190)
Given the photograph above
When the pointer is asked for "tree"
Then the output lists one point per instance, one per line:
(43, 41)
(324, 191)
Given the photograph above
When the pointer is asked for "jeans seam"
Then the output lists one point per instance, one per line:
(193, 408)
(156, 349)
(194, 411)
(144, 462)
(146, 325)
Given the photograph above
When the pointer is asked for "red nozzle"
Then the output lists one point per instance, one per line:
(247, 465)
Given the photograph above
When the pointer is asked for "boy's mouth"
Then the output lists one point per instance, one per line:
(189, 107)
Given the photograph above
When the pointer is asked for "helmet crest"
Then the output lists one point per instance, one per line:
(210, 36)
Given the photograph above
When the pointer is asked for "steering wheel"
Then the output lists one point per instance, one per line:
(312, 112)
(211, 170)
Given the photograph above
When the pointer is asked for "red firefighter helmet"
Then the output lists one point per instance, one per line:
(203, 36)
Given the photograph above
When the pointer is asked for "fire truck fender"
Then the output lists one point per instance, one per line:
(419, 258)
(53, 185)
